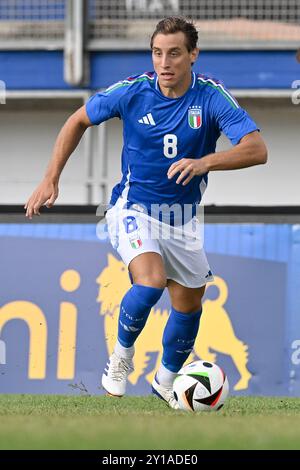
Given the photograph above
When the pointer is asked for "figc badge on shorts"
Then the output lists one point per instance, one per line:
(136, 243)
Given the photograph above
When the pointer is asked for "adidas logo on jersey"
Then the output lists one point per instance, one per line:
(148, 119)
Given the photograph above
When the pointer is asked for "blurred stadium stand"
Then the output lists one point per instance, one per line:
(223, 24)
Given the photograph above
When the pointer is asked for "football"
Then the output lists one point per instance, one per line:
(201, 386)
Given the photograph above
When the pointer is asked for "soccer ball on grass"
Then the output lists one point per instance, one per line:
(201, 386)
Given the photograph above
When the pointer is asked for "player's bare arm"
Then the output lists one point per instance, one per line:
(67, 140)
(250, 151)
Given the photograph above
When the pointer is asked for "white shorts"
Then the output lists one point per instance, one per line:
(132, 233)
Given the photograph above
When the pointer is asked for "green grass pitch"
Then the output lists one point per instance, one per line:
(83, 422)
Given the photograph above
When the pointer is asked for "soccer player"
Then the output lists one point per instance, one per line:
(172, 119)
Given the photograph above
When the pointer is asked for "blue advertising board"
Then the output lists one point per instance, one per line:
(61, 287)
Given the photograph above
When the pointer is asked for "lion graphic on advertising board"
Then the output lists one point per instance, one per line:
(216, 332)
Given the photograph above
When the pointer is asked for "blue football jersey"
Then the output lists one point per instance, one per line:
(158, 131)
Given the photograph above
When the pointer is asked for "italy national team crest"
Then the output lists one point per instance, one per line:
(135, 240)
(195, 117)
(136, 243)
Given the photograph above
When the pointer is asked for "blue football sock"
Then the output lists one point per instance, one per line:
(134, 310)
(179, 338)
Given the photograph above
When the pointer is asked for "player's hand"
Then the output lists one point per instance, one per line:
(45, 194)
(188, 168)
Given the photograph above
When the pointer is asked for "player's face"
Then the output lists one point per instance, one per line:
(172, 63)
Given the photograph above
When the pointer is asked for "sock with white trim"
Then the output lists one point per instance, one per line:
(134, 311)
(179, 337)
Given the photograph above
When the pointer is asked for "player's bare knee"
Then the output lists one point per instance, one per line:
(187, 308)
(152, 280)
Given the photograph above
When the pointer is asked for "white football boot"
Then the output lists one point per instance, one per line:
(164, 393)
(115, 375)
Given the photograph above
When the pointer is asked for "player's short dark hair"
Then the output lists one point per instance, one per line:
(174, 24)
